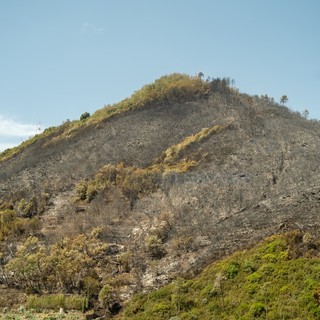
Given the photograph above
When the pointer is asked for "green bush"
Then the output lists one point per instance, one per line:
(232, 270)
(254, 277)
(270, 257)
(161, 311)
(81, 190)
(12, 225)
(106, 296)
(267, 269)
(154, 247)
(84, 116)
(69, 265)
(257, 309)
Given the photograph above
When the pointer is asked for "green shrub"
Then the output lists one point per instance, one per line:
(161, 310)
(84, 116)
(154, 247)
(91, 286)
(270, 257)
(249, 266)
(67, 265)
(267, 269)
(27, 207)
(91, 192)
(232, 270)
(257, 309)
(106, 296)
(125, 261)
(254, 277)
(161, 294)
(81, 190)
(12, 225)
(251, 288)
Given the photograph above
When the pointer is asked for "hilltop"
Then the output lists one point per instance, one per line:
(156, 187)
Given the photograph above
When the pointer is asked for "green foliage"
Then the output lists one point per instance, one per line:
(124, 260)
(257, 309)
(84, 116)
(173, 153)
(161, 310)
(254, 277)
(27, 207)
(91, 286)
(166, 90)
(154, 247)
(182, 244)
(232, 270)
(81, 190)
(13, 226)
(105, 295)
(259, 283)
(56, 301)
(68, 266)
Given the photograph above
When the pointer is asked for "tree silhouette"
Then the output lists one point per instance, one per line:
(283, 100)
(200, 75)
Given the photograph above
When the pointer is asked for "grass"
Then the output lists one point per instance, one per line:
(57, 301)
(173, 153)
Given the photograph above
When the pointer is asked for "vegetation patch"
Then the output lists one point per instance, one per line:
(57, 301)
(260, 283)
(166, 90)
(135, 181)
(69, 266)
(11, 225)
(173, 153)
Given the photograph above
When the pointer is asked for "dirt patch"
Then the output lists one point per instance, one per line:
(11, 298)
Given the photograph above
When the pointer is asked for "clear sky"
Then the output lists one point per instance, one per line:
(61, 58)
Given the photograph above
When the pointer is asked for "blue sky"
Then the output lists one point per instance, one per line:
(61, 58)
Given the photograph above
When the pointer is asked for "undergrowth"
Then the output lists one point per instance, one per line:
(57, 301)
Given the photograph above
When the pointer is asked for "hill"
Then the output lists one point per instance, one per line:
(180, 174)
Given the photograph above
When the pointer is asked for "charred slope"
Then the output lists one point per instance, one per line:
(184, 195)
(135, 137)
